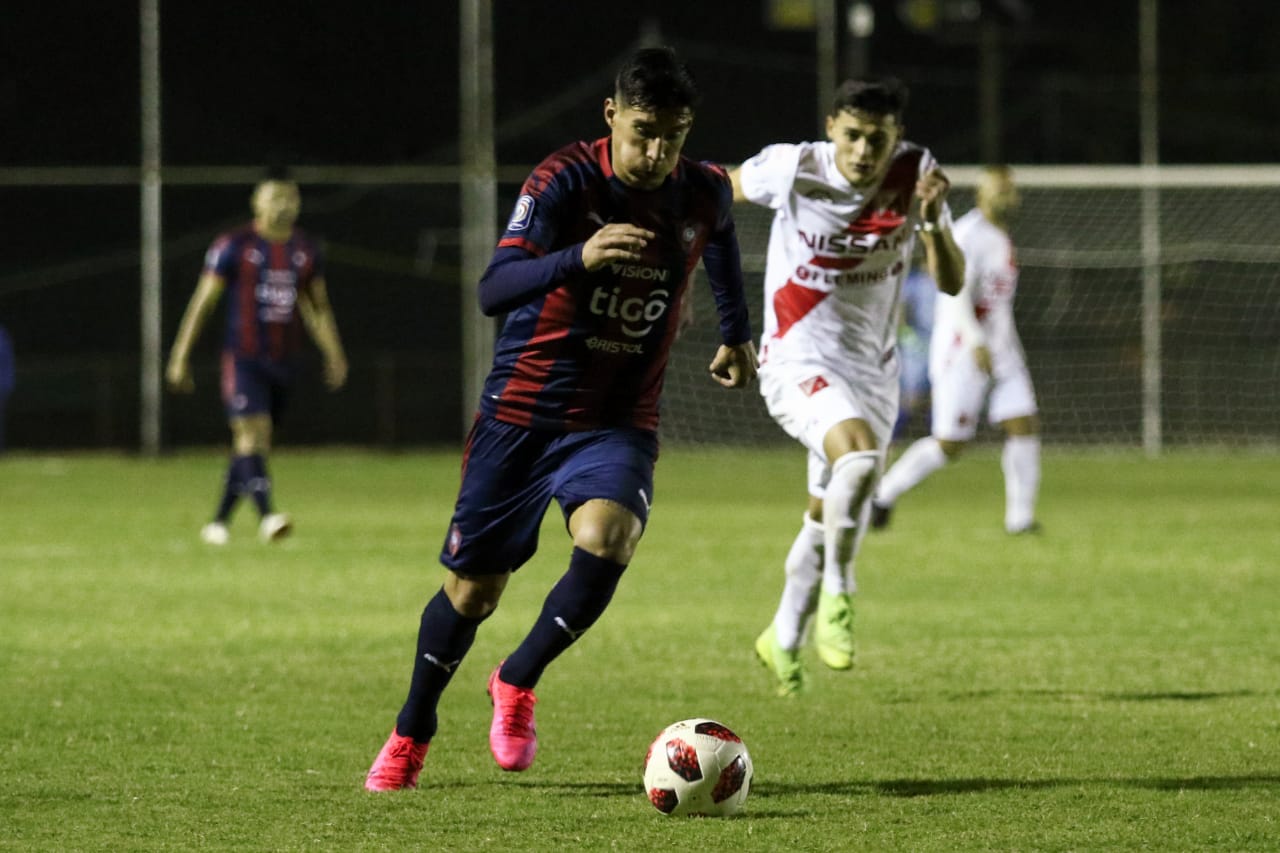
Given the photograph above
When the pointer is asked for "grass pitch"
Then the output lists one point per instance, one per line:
(1111, 684)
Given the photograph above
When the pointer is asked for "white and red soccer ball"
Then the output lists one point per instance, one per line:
(697, 767)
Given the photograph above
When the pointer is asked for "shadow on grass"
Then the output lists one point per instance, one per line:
(937, 787)
(929, 787)
(1116, 696)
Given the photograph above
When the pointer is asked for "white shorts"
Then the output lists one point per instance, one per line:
(808, 400)
(960, 388)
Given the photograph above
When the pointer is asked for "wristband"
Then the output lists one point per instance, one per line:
(943, 223)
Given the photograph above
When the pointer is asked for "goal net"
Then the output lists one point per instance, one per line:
(1196, 361)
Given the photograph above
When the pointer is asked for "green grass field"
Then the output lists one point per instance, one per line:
(1113, 684)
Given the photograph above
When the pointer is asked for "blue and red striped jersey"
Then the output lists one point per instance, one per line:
(590, 350)
(263, 280)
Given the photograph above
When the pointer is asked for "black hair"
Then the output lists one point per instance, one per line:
(882, 96)
(654, 78)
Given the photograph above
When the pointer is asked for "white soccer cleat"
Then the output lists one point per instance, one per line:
(214, 533)
(275, 526)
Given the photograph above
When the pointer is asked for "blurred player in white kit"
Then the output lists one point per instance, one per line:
(847, 212)
(976, 358)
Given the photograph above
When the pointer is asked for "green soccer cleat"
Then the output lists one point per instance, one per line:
(833, 632)
(784, 664)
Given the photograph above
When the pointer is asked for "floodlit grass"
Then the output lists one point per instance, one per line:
(1111, 684)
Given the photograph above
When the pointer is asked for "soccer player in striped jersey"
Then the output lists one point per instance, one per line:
(274, 275)
(976, 358)
(591, 272)
(847, 214)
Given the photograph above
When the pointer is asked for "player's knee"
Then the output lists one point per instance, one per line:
(251, 435)
(251, 448)
(613, 540)
(855, 474)
(475, 598)
(1026, 425)
(606, 529)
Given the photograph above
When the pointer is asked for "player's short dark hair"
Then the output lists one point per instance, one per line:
(882, 96)
(654, 78)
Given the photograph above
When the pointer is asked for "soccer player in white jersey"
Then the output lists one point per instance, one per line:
(847, 213)
(975, 357)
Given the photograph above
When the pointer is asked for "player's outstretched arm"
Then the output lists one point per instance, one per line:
(735, 366)
(178, 371)
(942, 255)
(317, 316)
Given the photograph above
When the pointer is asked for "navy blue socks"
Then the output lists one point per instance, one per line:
(257, 483)
(245, 474)
(572, 606)
(444, 637)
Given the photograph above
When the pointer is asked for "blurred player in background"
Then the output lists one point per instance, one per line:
(275, 276)
(976, 358)
(847, 214)
(592, 270)
(914, 332)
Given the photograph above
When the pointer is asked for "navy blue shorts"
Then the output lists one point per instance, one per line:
(510, 474)
(255, 386)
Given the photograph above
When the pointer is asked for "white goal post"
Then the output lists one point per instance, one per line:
(1148, 302)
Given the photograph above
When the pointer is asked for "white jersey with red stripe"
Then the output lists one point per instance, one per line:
(982, 313)
(837, 257)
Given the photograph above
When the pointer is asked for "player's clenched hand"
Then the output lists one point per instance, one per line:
(178, 375)
(734, 367)
(617, 241)
(932, 191)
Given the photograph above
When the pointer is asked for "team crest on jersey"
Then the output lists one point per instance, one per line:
(813, 385)
(688, 234)
(522, 214)
(299, 259)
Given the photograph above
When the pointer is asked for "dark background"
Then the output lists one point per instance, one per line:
(249, 83)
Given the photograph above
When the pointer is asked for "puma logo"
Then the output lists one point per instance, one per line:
(436, 662)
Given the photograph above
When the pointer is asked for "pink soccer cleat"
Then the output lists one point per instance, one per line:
(397, 765)
(512, 737)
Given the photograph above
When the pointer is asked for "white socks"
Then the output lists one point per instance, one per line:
(823, 553)
(844, 510)
(1020, 461)
(916, 463)
(799, 593)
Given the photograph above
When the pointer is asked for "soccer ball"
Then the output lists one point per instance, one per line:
(697, 767)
